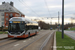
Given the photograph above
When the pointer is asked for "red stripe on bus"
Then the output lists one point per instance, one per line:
(23, 36)
(26, 35)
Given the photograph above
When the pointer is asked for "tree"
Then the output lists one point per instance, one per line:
(43, 25)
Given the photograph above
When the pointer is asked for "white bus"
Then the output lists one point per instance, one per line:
(20, 27)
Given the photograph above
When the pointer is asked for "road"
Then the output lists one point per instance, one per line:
(70, 34)
(42, 41)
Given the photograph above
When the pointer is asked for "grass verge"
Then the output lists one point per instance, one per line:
(3, 32)
(64, 44)
(71, 29)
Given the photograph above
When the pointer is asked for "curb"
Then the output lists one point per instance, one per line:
(54, 46)
(46, 41)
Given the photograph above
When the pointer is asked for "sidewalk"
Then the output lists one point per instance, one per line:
(2, 36)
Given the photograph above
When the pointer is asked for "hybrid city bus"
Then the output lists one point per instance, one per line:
(20, 27)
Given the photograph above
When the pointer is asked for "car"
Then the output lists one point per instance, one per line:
(51, 28)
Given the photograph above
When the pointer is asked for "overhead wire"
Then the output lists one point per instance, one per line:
(47, 7)
(28, 7)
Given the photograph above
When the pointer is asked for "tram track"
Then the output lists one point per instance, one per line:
(8, 41)
(48, 44)
(3, 38)
(22, 44)
(46, 41)
(35, 42)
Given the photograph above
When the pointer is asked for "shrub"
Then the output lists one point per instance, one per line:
(3, 29)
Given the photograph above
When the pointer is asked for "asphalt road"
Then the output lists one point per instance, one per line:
(37, 42)
(70, 34)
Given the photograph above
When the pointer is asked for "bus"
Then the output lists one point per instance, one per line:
(20, 27)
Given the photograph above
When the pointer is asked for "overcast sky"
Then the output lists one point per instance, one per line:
(44, 8)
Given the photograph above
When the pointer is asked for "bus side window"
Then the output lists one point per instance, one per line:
(35, 27)
(30, 27)
(26, 27)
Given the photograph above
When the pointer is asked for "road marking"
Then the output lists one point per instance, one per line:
(24, 41)
(16, 45)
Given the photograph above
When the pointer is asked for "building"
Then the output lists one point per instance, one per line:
(7, 11)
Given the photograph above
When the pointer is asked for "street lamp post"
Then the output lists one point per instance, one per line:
(62, 19)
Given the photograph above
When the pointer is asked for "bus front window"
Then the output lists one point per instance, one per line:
(16, 27)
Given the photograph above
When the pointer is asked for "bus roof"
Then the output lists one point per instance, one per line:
(22, 19)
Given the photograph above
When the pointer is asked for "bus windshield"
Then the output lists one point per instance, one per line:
(16, 27)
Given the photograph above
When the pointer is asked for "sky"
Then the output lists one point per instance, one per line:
(44, 8)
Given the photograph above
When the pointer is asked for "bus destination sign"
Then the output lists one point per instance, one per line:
(16, 22)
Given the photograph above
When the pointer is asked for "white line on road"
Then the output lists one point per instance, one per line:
(16, 45)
